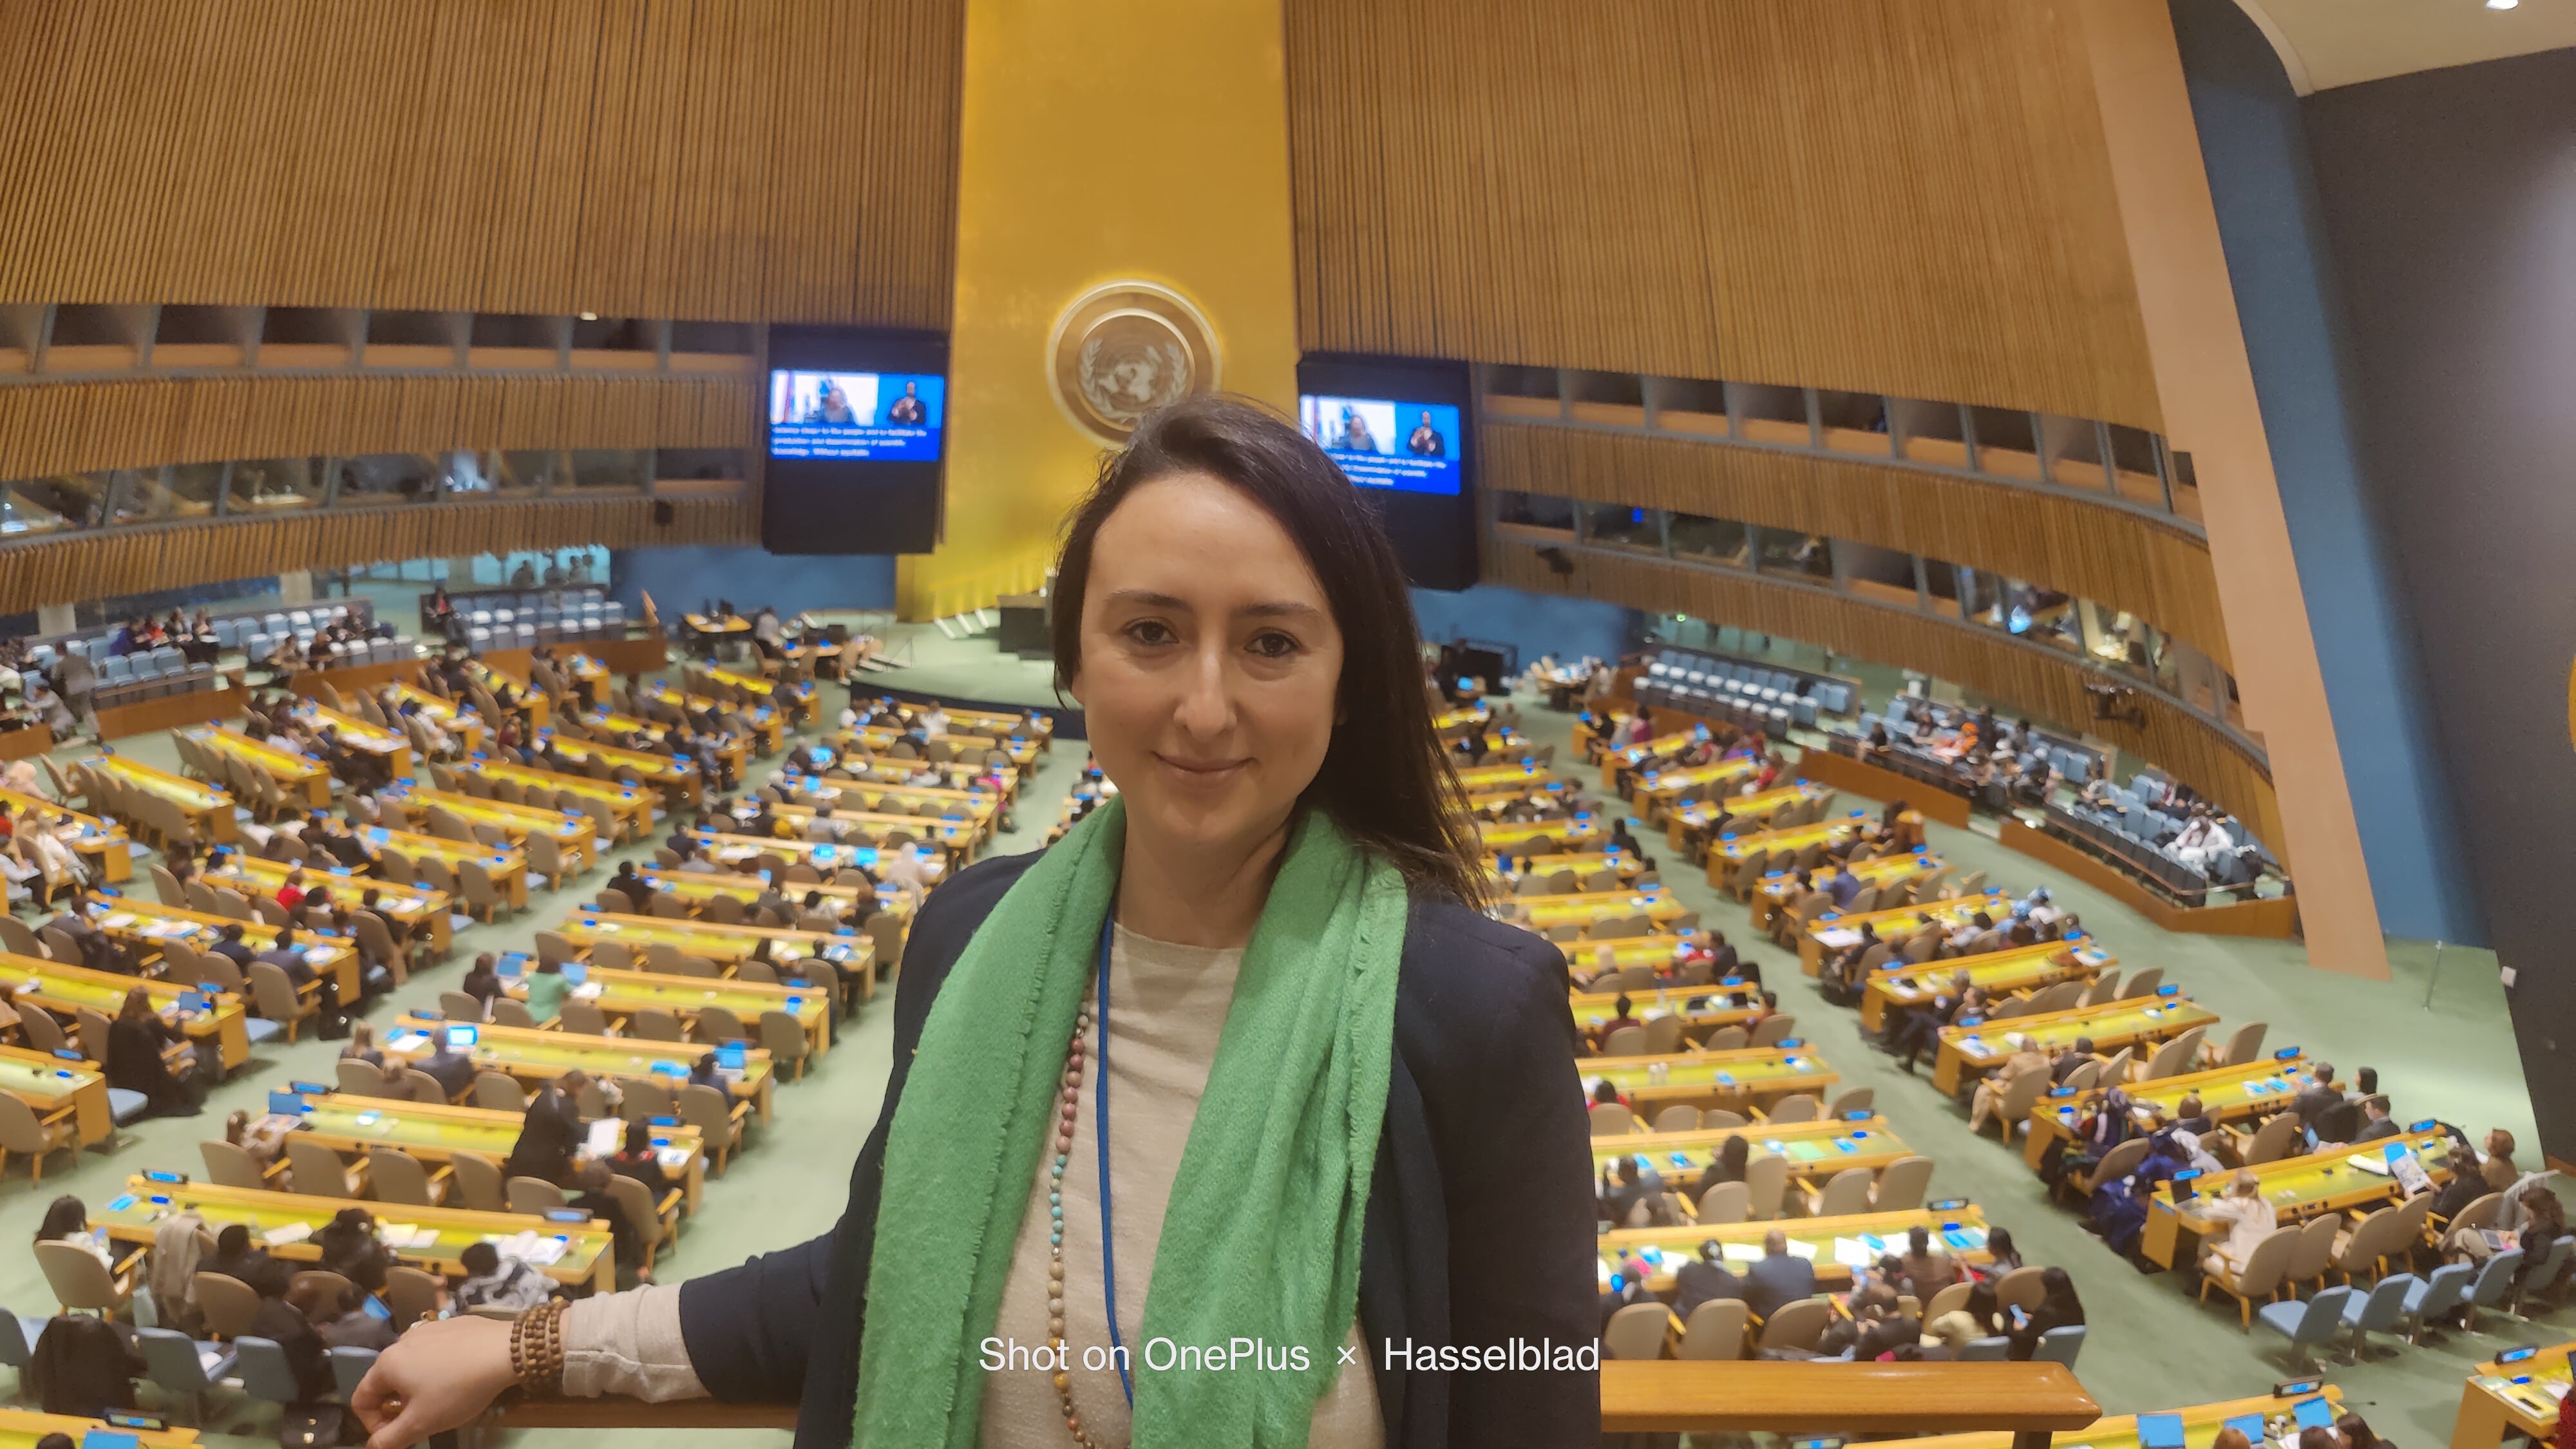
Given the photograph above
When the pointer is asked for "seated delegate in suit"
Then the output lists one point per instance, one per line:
(1234, 621)
(551, 1133)
(1780, 1277)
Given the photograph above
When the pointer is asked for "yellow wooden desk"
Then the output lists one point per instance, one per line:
(717, 624)
(1816, 1150)
(740, 851)
(1032, 726)
(621, 994)
(679, 779)
(576, 835)
(391, 746)
(33, 982)
(1658, 791)
(1760, 1076)
(1628, 757)
(1507, 868)
(1703, 1009)
(1656, 951)
(724, 945)
(1878, 870)
(133, 1215)
(733, 749)
(965, 831)
(436, 1134)
(2298, 1188)
(963, 835)
(537, 1056)
(460, 722)
(24, 1428)
(1728, 854)
(953, 774)
(508, 868)
(1491, 802)
(49, 1084)
(1830, 1243)
(766, 725)
(522, 696)
(149, 923)
(1460, 718)
(790, 699)
(2227, 1094)
(1833, 931)
(980, 806)
(1969, 1052)
(630, 806)
(1589, 908)
(101, 842)
(2200, 1426)
(1686, 824)
(697, 887)
(209, 808)
(2520, 1396)
(881, 740)
(1581, 830)
(422, 912)
(2009, 972)
(1523, 775)
(303, 777)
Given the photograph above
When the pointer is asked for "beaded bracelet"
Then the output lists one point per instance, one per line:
(537, 1347)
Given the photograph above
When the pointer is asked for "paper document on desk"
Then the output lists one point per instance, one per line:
(1838, 938)
(1801, 1248)
(1740, 1252)
(546, 1252)
(607, 1135)
(290, 1233)
(1852, 1253)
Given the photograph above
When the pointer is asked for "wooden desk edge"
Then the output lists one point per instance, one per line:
(1702, 1396)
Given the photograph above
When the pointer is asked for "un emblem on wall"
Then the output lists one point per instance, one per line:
(1124, 349)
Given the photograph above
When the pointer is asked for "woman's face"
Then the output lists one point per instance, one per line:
(1210, 661)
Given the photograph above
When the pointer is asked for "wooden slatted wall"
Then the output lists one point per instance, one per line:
(1909, 197)
(2160, 573)
(136, 560)
(73, 426)
(738, 159)
(2023, 678)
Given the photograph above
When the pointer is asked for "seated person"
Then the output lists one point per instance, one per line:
(136, 1041)
(493, 1281)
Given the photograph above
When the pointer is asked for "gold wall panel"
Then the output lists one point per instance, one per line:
(1901, 196)
(2160, 573)
(740, 159)
(2021, 677)
(109, 562)
(75, 426)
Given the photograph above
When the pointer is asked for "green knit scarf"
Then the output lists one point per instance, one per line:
(1261, 1238)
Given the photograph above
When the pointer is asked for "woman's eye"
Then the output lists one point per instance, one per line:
(1273, 645)
(1150, 631)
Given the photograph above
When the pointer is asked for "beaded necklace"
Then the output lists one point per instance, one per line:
(1069, 1103)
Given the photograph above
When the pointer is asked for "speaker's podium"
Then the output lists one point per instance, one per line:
(1024, 629)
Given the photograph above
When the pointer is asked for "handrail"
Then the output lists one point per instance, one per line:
(2030, 1400)
(1701, 1396)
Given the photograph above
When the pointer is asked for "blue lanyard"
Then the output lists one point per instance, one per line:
(1100, 1106)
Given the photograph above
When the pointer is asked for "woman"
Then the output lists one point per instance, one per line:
(1726, 1166)
(2250, 1219)
(483, 982)
(2058, 1308)
(350, 1248)
(640, 1160)
(362, 1046)
(135, 1043)
(67, 1221)
(2003, 1255)
(1234, 622)
(546, 991)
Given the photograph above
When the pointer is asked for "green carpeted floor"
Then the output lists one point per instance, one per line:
(2150, 1344)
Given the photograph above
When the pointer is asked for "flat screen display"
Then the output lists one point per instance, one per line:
(858, 417)
(1408, 447)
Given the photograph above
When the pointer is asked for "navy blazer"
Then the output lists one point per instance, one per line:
(1479, 1228)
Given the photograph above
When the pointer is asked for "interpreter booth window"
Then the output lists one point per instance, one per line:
(526, 472)
(1881, 575)
(612, 470)
(1943, 583)
(27, 510)
(700, 470)
(135, 495)
(195, 488)
(1808, 556)
(1535, 511)
(1709, 540)
(79, 500)
(381, 480)
(275, 485)
(1640, 530)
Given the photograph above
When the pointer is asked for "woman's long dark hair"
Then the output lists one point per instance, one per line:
(1385, 780)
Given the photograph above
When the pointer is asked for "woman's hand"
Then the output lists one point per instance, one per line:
(436, 1377)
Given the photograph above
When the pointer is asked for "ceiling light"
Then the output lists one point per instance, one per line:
(593, 316)
(2502, 4)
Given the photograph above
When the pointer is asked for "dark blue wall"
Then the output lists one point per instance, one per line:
(1538, 623)
(679, 579)
(2254, 142)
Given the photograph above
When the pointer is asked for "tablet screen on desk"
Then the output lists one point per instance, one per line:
(2160, 1431)
(2249, 1425)
(2314, 1413)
